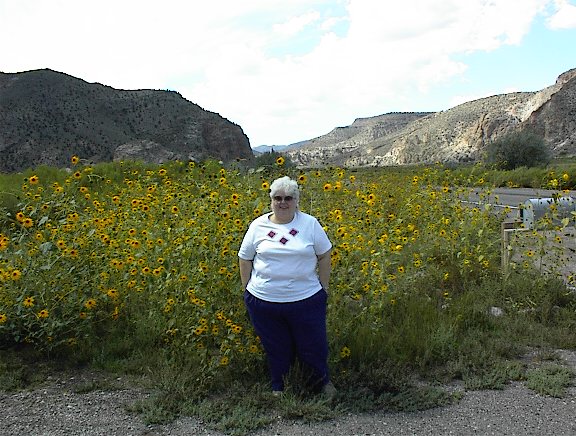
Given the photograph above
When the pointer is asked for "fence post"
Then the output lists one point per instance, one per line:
(507, 228)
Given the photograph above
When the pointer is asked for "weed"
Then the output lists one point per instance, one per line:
(550, 379)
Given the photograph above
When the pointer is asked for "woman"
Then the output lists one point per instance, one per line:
(285, 269)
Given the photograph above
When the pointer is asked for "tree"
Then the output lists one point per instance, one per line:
(517, 149)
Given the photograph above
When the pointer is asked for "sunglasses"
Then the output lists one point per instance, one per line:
(279, 198)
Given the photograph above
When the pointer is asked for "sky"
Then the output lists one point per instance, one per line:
(292, 70)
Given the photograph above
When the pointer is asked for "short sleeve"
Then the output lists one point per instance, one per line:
(321, 242)
(247, 250)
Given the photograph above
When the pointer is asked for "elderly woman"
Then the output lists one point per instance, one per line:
(285, 268)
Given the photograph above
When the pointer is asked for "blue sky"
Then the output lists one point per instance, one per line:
(290, 70)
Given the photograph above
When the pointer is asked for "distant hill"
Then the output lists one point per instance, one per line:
(278, 148)
(47, 116)
(455, 135)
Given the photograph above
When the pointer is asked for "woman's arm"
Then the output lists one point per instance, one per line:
(324, 269)
(245, 272)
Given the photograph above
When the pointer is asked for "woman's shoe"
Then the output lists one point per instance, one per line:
(329, 391)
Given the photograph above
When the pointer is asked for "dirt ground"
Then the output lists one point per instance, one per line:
(58, 408)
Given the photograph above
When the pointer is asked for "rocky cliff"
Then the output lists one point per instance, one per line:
(46, 117)
(455, 135)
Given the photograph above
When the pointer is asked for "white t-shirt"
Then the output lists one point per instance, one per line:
(284, 257)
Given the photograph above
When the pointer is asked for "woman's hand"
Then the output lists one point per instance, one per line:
(324, 269)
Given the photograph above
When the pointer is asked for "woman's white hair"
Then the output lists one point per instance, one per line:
(287, 186)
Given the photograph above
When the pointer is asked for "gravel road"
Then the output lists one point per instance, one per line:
(56, 410)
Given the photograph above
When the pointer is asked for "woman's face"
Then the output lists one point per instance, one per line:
(284, 207)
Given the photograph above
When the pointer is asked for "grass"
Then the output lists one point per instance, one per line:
(17, 373)
(551, 380)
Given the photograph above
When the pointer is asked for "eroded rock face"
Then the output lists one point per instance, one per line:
(46, 117)
(555, 119)
(455, 135)
(145, 150)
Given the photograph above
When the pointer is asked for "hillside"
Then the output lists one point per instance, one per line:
(46, 117)
(455, 135)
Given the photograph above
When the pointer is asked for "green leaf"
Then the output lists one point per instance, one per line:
(45, 247)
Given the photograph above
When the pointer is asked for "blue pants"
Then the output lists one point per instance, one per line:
(290, 330)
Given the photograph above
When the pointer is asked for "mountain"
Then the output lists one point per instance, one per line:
(278, 148)
(261, 149)
(455, 135)
(46, 117)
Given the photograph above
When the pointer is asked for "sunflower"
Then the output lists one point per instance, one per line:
(345, 352)
(90, 304)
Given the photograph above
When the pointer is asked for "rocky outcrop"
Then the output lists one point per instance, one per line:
(555, 118)
(46, 117)
(147, 151)
(459, 134)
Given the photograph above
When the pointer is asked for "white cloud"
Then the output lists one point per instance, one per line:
(296, 24)
(564, 17)
(221, 55)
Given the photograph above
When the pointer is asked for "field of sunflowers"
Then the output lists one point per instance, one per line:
(148, 253)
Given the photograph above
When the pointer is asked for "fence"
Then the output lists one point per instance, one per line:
(549, 250)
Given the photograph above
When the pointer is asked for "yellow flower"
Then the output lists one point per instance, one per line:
(279, 161)
(90, 304)
(345, 352)
(43, 313)
(112, 293)
(15, 274)
(34, 180)
(3, 318)
(74, 160)
(28, 302)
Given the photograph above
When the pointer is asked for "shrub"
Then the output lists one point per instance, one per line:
(518, 149)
